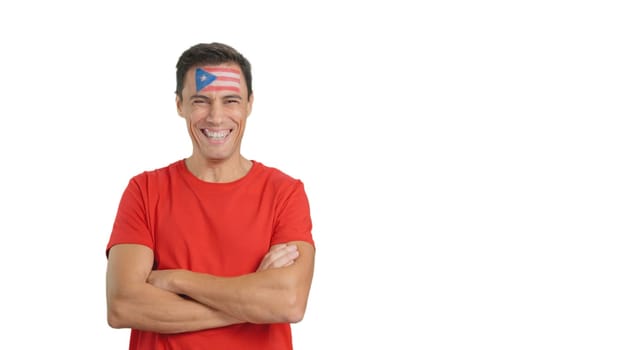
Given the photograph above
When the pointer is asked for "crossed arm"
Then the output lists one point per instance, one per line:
(149, 300)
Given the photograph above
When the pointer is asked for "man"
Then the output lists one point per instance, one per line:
(213, 251)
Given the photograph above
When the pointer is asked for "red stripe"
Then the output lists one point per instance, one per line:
(221, 69)
(221, 78)
(221, 88)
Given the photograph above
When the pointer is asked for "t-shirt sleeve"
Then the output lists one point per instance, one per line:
(131, 224)
(293, 222)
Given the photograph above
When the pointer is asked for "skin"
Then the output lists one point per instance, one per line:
(272, 295)
(215, 160)
(277, 291)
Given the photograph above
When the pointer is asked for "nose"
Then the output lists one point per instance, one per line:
(216, 113)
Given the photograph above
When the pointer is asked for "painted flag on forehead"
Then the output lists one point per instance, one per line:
(217, 79)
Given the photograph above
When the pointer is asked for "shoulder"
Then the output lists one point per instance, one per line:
(157, 175)
(280, 184)
(276, 176)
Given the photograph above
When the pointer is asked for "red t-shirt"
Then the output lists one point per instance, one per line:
(223, 229)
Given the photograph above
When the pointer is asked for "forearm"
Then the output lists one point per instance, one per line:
(269, 296)
(276, 293)
(148, 308)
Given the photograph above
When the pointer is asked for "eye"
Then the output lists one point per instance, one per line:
(198, 102)
(232, 100)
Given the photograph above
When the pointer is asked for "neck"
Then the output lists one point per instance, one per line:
(227, 170)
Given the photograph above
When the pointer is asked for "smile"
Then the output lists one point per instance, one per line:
(216, 134)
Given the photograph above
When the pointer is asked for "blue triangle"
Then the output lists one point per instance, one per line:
(203, 78)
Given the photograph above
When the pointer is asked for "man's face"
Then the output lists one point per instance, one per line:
(215, 105)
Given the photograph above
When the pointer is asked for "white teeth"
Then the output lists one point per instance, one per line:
(216, 134)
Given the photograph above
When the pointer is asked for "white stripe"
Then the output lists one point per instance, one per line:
(224, 83)
(226, 74)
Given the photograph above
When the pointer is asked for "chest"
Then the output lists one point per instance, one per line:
(225, 234)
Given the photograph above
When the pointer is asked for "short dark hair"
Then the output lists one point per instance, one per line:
(211, 54)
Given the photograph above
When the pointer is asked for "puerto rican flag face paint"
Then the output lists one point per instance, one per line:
(210, 79)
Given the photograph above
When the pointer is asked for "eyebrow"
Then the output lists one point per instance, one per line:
(199, 96)
(235, 96)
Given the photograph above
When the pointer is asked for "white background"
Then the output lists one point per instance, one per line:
(462, 160)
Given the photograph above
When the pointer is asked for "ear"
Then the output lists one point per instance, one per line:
(250, 104)
(178, 103)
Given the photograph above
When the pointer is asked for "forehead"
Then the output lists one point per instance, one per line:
(214, 78)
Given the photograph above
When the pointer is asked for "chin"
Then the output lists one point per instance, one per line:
(215, 157)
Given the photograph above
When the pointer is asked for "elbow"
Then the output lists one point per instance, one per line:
(295, 316)
(114, 321)
(296, 307)
(296, 295)
(115, 316)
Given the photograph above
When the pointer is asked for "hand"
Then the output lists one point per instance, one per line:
(163, 279)
(280, 255)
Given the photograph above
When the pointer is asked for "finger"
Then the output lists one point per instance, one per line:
(270, 257)
(282, 259)
(280, 253)
(277, 257)
(286, 260)
(278, 246)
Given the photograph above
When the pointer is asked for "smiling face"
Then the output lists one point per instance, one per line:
(215, 106)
